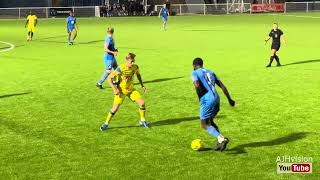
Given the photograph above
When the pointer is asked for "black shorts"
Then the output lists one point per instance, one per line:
(275, 46)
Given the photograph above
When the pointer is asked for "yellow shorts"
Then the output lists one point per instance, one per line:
(31, 28)
(134, 95)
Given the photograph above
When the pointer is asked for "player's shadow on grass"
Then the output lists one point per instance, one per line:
(240, 149)
(51, 37)
(179, 120)
(163, 122)
(14, 94)
(91, 42)
(303, 62)
(160, 80)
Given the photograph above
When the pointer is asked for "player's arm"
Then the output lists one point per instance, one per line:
(112, 81)
(67, 26)
(26, 23)
(107, 50)
(141, 82)
(199, 90)
(284, 38)
(160, 12)
(35, 22)
(197, 86)
(225, 92)
(267, 38)
(75, 25)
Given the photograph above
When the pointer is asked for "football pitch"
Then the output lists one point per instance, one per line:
(51, 110)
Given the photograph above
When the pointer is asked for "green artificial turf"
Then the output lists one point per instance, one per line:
(51, 111)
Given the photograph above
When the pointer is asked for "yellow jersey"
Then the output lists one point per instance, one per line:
(31, 20)
(125, 77)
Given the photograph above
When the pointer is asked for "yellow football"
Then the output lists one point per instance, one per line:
(197, 145)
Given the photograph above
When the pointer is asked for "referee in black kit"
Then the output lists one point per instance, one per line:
(168, 5)
(275, 34)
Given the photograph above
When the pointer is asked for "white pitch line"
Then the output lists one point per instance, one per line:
(7, 49)
(312, 17)
(297, 16)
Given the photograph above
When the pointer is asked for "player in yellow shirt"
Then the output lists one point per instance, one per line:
(121, 81)
(31, 23)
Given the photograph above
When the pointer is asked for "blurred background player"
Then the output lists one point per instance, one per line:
(275, 34)
(168, 5)
(204, 81)
(163, 14)
(121, 81)
(72, 28)
(110, 52)
(31, 24)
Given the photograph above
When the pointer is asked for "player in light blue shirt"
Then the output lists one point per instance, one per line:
(164, 14)
(204, 81)
(110, 52)
(72, 28)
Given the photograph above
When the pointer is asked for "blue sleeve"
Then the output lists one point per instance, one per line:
(107, 41)
(194, 76)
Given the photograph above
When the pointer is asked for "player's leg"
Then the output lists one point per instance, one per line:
(69, 35)
(75, 33)
(136, 97)
(207, 112)
(164, 26)
(28, 37)
(118, 100)
(212, 123)
(277, 57)
(109, 63)
(273, 51)
(31, 32)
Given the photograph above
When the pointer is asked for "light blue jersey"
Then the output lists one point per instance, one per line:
(164, 13)
(209, 98)
(110, 44)
(71, 21)
(109, 59)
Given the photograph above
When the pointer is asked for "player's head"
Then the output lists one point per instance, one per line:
(130, 59)
(275, 26)
(197, 63)
(71, 13)
(30, 12)
(110, 30)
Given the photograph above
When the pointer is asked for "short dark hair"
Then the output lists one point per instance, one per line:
(110, 29)
(197, 62)
(130, 56)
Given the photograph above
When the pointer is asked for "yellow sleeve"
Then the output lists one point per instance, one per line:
(28, 18)
(35, 17)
